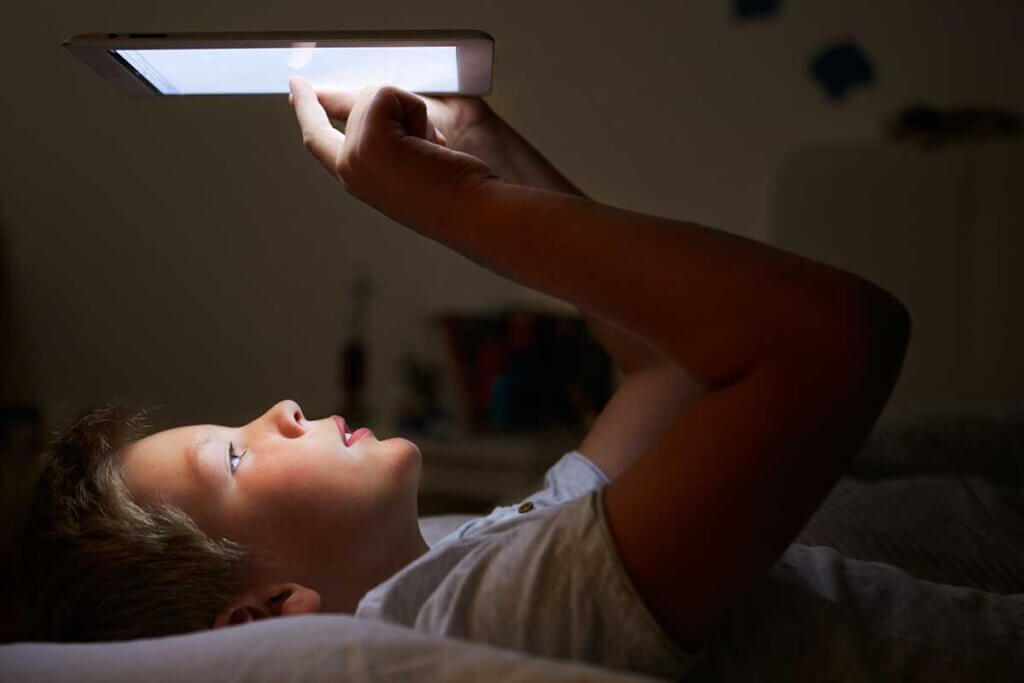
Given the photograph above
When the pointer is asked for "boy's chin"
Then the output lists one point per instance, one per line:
(403, 448)
(406, 458)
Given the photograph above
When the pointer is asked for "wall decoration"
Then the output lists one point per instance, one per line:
(840, 67)
(745, 10)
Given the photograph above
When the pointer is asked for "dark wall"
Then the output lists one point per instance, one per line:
(189, 253)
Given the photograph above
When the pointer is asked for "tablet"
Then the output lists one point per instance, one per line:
(428, 62)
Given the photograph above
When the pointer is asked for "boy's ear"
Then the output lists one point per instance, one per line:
(277, 600)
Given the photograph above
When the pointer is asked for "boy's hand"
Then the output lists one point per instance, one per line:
(391, 155)
(464, 124)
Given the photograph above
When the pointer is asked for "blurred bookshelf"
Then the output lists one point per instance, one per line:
(494, 398)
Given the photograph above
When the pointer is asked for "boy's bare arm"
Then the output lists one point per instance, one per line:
(797, 358)
(514, 159)
(469, 125)
(653, 386)
(719, 304)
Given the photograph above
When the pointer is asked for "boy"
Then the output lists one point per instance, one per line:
(750, 377)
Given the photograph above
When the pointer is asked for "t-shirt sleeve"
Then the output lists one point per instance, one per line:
(553, 585)
(571, 477)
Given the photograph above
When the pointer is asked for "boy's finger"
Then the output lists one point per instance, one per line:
(337, 103)
(319, 136)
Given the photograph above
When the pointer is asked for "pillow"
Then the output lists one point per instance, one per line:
(302, 648)
(311, 647)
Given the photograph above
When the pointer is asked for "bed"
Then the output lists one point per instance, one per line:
(927, 523)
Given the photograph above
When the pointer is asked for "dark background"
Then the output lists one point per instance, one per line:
(190, 254)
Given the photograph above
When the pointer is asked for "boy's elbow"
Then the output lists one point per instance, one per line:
(874, 340)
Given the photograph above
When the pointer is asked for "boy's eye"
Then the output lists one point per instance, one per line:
(234, 458)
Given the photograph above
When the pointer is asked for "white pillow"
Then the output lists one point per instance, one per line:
(321, 647)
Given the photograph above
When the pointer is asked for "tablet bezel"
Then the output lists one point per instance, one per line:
(474, 51)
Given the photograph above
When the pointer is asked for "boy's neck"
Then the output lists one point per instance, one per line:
(343, 596)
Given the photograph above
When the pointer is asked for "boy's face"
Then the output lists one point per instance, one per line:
(297, 491)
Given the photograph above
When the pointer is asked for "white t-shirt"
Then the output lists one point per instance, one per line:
(542, 576)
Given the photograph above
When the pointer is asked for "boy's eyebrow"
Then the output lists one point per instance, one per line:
(192, 455)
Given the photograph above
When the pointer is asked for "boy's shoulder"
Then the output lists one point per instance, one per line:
(541, 576)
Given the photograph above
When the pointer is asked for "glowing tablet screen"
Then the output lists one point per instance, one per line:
(235, 71)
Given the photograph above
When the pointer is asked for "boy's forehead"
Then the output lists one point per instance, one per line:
(165, 463)
(177, 436)
(169, 444)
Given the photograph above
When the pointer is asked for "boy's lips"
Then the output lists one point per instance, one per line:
(343, 430)
(358, 434)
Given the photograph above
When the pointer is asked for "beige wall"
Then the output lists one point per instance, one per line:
(189, 253)
(941, 229)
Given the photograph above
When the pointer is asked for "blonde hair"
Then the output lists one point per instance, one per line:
(97, 566)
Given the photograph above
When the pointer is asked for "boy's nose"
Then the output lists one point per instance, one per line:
(286, 416)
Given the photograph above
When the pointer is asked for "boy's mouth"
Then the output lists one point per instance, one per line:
(347, 437)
